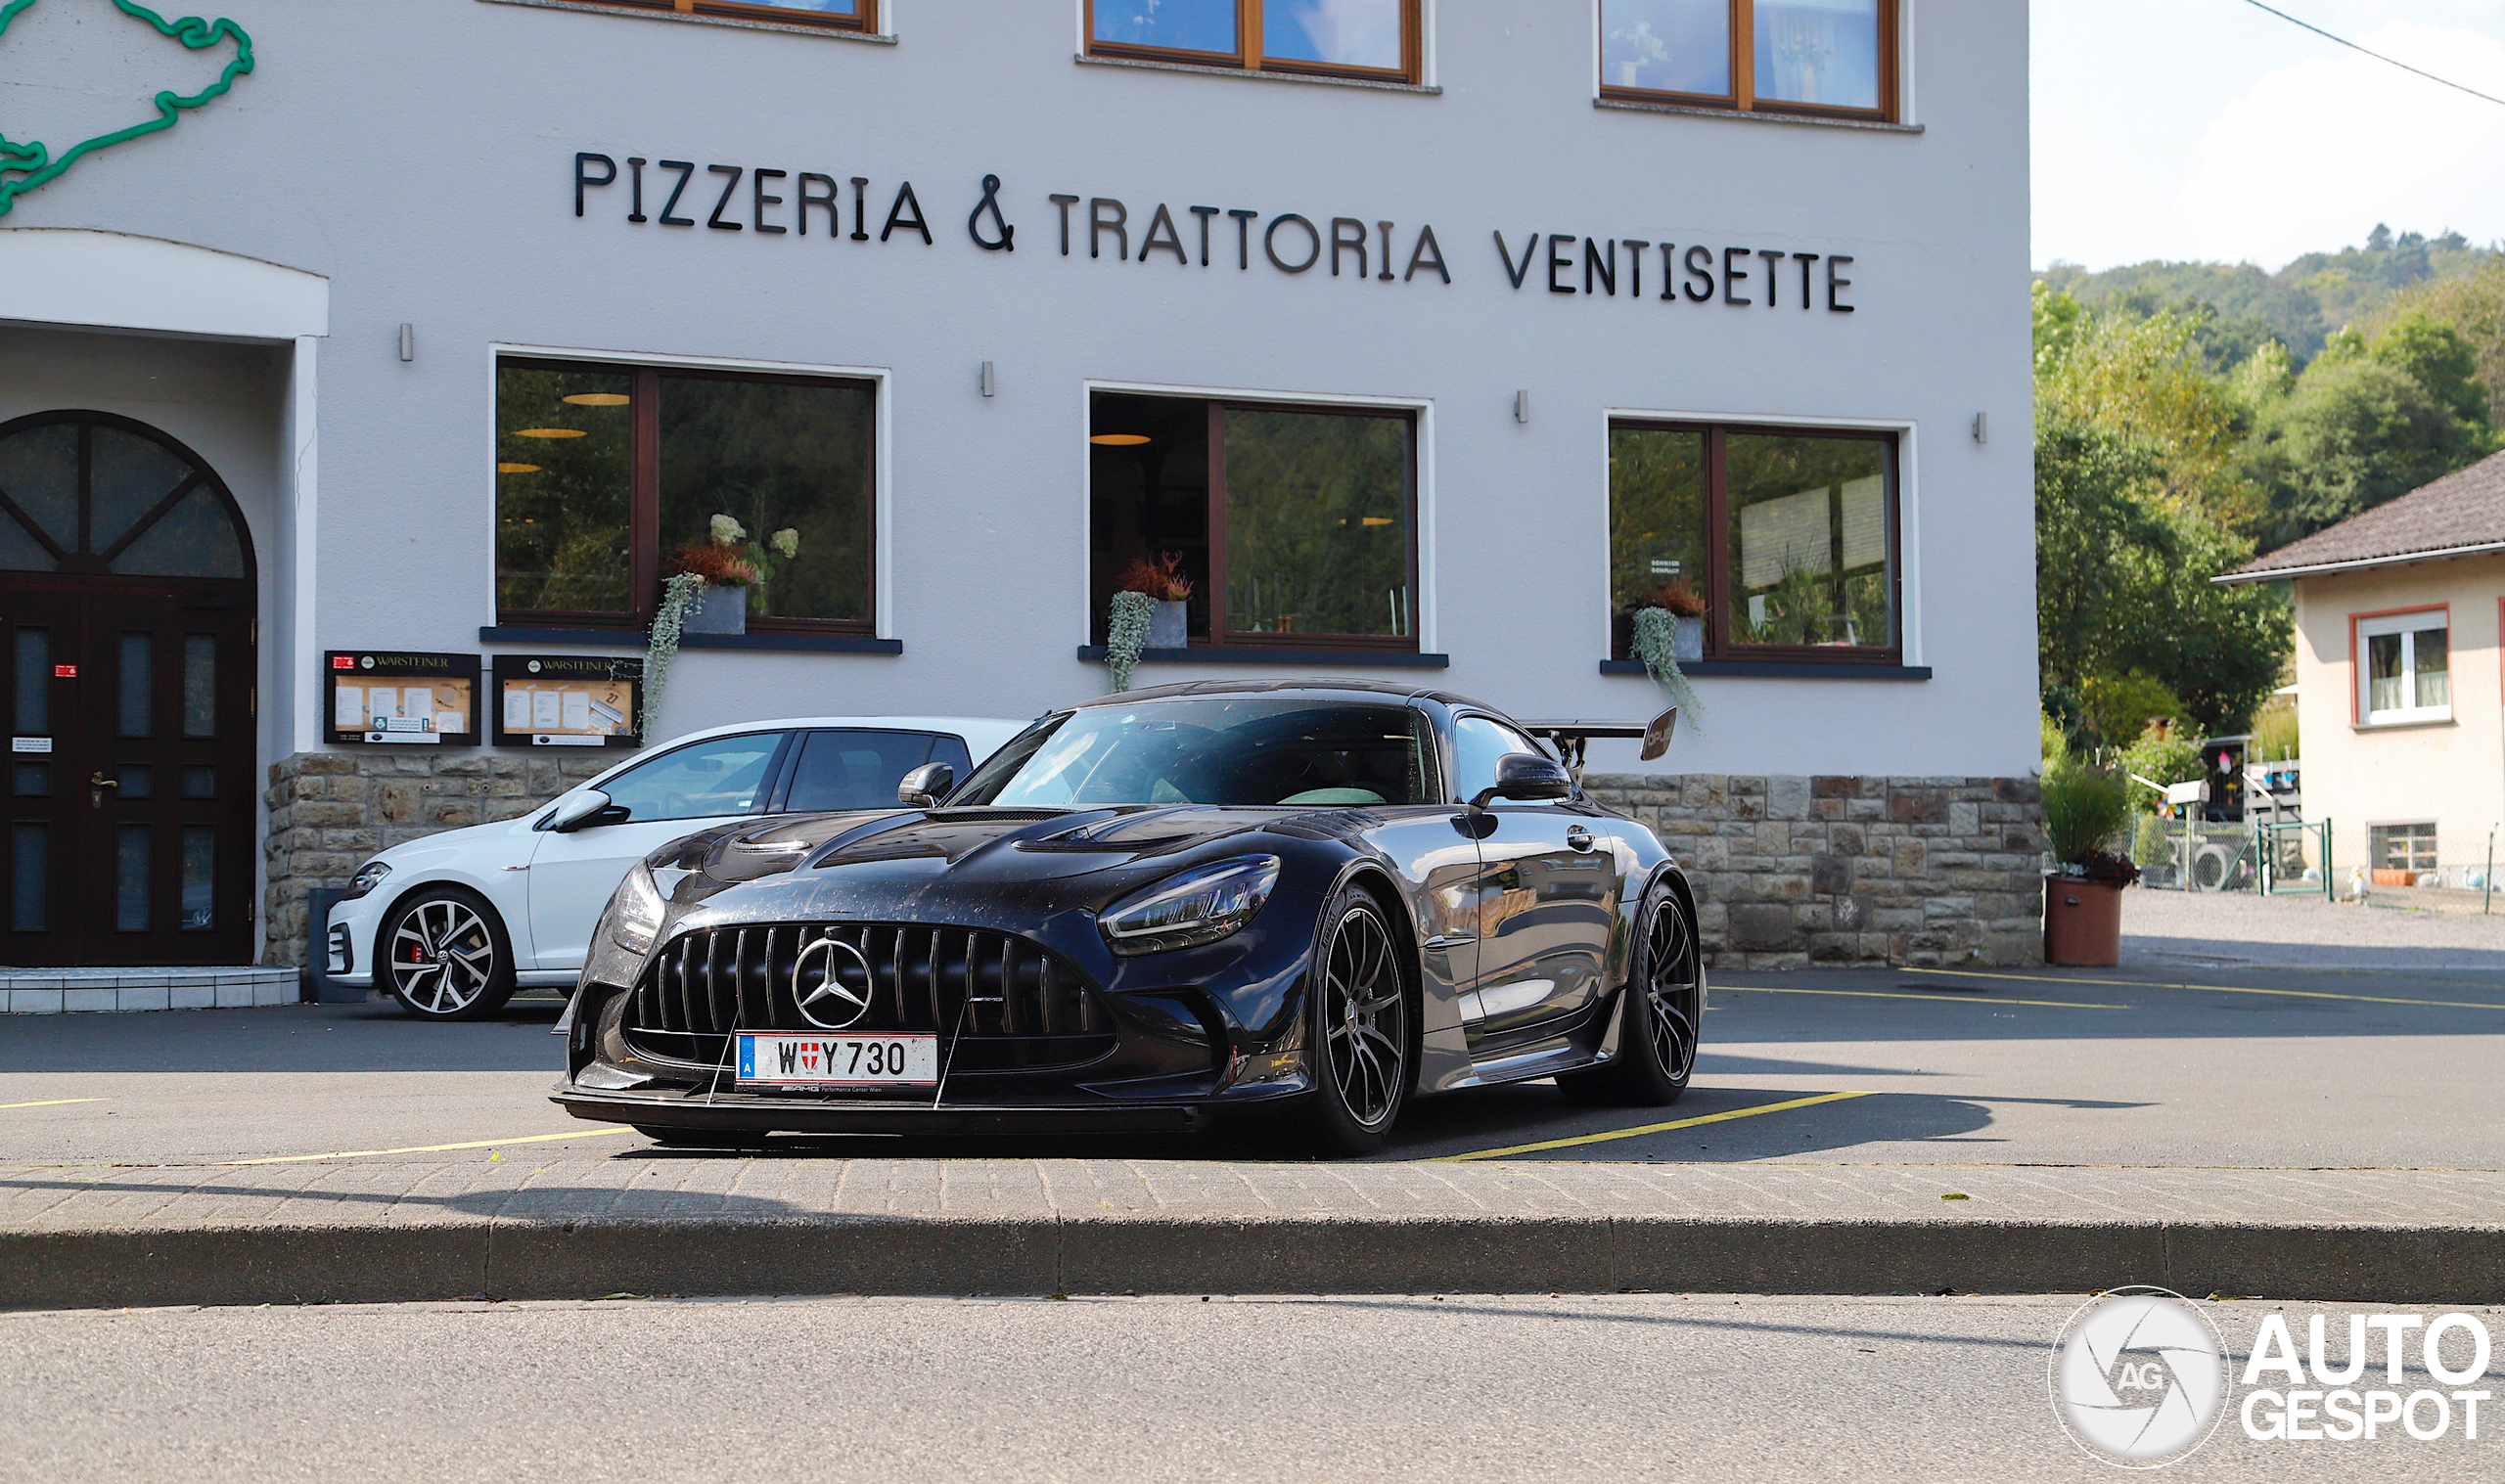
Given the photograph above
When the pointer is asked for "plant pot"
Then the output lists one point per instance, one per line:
(2082, 922)
(719, 611)
(1169, 626)
(1687, 641)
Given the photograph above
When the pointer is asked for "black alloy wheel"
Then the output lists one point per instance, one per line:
(1360, 1028)
(444, 956)
(1657, 1031)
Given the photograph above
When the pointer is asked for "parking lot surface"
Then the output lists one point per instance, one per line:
(2154, 1064)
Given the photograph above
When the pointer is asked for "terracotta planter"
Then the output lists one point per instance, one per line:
(2082, 922)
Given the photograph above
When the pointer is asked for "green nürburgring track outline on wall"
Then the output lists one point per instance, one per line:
(25, 167)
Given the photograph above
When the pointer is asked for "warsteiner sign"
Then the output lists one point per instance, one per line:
(1200, 238)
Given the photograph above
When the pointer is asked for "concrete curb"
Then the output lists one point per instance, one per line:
(398, 1261)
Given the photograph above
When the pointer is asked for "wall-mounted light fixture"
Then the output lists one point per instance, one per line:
(1522, 407)
(988, 385)
(408, 343)
(1982, 427)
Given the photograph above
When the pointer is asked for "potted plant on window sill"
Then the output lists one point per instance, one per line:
(1151, 611)
(2087, 807)
(721, 607)
(1666, 630)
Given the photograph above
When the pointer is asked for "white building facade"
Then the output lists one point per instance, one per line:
(1428, 340)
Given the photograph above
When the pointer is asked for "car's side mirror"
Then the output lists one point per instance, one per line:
(585, 810)
(1526, 776)
(924, 786)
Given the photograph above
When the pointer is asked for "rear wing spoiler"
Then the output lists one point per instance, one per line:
(1573, 739)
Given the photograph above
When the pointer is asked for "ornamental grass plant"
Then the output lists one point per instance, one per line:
(2087, 805)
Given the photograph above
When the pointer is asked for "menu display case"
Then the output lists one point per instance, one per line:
(401, 698)
(568, 700)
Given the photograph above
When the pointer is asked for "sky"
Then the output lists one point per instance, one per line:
(2210, 129)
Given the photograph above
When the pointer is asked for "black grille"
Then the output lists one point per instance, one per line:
(1006, 1002)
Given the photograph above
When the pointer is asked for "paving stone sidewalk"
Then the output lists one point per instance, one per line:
(377, 1232)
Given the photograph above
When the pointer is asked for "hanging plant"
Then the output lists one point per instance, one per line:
(1656, 643)
(678, 600)
(1125, 636)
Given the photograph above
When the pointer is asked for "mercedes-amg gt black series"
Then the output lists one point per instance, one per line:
(1310, 899)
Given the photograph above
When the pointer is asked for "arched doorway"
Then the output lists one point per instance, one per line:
(126, 626)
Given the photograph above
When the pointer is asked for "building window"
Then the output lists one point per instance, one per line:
(605, 474)
(2402, 847)
(1785, 538)
(1352, 38)
(1297, 525)
(1816, 57)
(2407, 674)
(835, 15)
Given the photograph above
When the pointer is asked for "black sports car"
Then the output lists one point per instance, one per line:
(1312, 898)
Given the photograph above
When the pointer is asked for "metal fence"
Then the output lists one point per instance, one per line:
(2192, 855)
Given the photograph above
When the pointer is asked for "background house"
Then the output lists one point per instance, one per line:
(2401, 615)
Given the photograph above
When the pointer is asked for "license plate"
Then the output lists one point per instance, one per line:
(782, 1059)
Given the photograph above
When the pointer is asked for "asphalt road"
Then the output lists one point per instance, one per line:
(2246, 1067)
(1626, 1387)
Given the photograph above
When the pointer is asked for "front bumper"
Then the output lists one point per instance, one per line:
(348, 939)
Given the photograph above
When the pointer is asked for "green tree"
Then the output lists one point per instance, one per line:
(2474, 306)
(2369, 420)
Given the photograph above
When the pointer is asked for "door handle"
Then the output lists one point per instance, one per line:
(1579, 838)
(97, 783)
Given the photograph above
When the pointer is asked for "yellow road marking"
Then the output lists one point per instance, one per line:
(54, 1102)
(2221, 989)
(1650, 1128)
(1888, 994)
(430, 1149)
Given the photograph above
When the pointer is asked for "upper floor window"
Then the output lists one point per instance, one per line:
(1355, 38)
(840, 15)
(611, 478)
(1779, 539)
(2407, 674)
(1816, 57)
(1295, 526)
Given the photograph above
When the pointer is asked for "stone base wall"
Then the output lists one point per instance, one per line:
(1791, 872)
(330, 812)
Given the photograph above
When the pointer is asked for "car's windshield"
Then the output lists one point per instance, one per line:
(1299, 753)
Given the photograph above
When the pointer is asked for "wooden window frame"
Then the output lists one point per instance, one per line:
(644, 499)
(1743, 99)
(1220, 636)
(1718, 643)
(1249, 56)
(867, 22)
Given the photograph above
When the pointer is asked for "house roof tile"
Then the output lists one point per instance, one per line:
(2463, 512)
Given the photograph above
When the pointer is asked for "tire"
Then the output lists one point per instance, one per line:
(1360, 1028)
(1659, 1016)
(444, 956)
(702, 1139)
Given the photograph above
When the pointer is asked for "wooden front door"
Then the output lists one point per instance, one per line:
(129, 673)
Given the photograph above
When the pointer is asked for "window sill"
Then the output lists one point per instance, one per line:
(736, 22)
(1700, 110)
(1146, 64)
(1778, 669)
(2403, 724)
(629, 639)
(1303, 659)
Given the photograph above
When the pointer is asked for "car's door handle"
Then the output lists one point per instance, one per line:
(1579, 838)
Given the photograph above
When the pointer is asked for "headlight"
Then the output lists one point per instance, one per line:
(635, 916)
(1198, 906)
(368, 876)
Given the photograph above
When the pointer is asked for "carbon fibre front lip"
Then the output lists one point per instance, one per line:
(759, 1115)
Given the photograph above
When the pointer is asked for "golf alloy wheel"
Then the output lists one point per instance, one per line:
(446, 958)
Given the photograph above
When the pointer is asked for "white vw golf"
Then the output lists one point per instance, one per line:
(452, 924)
